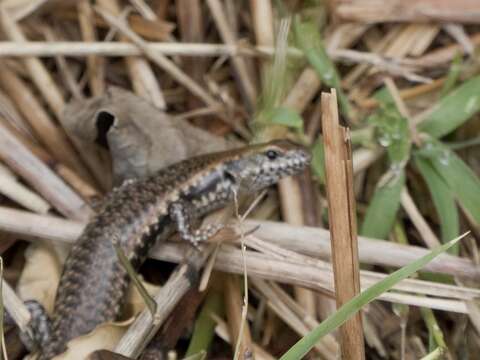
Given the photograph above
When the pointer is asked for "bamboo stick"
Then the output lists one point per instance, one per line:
(95, 64)
(141, 74)
(161, 60)
(463, 11)
(246, 83)
(40, 177)
(47, 132)
(10, 187)
(233, 305)
(39, 74)
(315, 241)
(343, 226)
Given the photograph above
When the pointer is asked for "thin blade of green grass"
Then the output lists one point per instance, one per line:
(382, 210)
(310, 42)
(392, 132)
(443, 200)
(285, 116)
(204, 328)
(435, 354)
(453, 110)
(462, 181)
(453, 74)
(347, 310)
(318, 159)
(149, 301)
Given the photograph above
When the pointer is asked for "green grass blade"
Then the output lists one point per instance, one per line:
(285, 116)
(453, 110)
(310, 42)
(443, 200)
(347, 310)
(392, 132)
(383, 208)
(462, 181)
(127, 265)
(435, 354)
(453, 74)
(204, 328)
(318, 159)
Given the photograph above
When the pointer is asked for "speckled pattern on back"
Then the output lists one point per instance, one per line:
(93, 283)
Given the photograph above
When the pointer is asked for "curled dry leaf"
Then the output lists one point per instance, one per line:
(141, 138)
(40, 275)
(104, 337)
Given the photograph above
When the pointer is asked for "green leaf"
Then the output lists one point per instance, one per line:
(392, 132)
(453, 110)
(318, 159)
(204, 328)
(285, 116)
(383, 208)
(461, 180)
(349, 309)
(310, 42)
(453, 74)
(443, 200)
(127, 265)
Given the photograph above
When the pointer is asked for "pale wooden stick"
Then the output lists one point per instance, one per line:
(233, 305)
(142, 76)
(426, 233)
(15, 307)
(47, 132)
(320, 277)
(160, 60)
(315, 242)
(444, 55)
(10, 187)
(95, 64)
(37, 174)
(363, 158)
(343, 226)
(463, 11)
(116, 49)
(303, 91)
(39, 74)
(222, 331)
(247, 85)
(262, 15)
(144, 328)
(459, 34)
(301, 324)
(20, 10)
(292, 210)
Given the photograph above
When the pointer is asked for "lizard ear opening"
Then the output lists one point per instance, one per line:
(228, 175)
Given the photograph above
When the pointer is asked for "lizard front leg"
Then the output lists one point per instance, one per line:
(181, 214)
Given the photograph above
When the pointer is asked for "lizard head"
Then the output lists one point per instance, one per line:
(259, 166)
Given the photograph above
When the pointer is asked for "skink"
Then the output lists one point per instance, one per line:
(139, 212)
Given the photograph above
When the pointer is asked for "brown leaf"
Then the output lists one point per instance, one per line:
(141, 138)
(106, 355)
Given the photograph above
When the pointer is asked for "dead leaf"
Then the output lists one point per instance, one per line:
(140, 137)
(107, 355)
(40, 275)
(104, 337)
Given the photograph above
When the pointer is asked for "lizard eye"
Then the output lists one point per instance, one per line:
(271, 154)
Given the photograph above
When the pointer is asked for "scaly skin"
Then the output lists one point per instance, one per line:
(93, 282)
